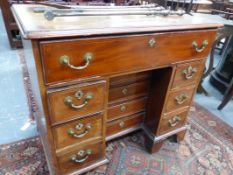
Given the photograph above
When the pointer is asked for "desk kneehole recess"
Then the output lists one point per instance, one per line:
(92, 89)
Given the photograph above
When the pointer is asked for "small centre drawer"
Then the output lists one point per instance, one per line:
(128, 91)
(78, 131)
(124, 123)
(126, 109)
(81, 157)
(129, 79)
(179, 98)
(76, 101)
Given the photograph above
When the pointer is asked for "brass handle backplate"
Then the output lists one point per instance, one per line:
(189, 72)
(69, 100)
(80, 127)
(174, 121)
(65, 60)
(81, 156)
(195, 46)
(180, 99)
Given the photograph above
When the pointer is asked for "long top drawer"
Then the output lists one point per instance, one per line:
(67, 60)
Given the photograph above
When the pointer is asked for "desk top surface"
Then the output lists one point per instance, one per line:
(35, 26)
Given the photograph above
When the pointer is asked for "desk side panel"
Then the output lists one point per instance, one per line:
(32, 57)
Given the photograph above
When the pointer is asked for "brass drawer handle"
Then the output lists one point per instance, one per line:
(204, 44)
(174, 121)
(180, 99)
(69, 101)
(123, 108)
(83, 154)
(189, 72)
(124, 91)
(152, 42)
(122, 124)
(80, 127)
(65, 60)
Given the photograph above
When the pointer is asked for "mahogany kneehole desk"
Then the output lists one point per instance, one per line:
(94, 82)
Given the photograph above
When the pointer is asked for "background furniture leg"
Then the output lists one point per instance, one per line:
(228, 96)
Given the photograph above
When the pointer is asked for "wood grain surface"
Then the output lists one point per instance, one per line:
(180, 80)
(63, 139)
(126, 108)
(117, 55)
(62, 112)
(179, 98)
(165, 125)
(124, 123)
(67, 165)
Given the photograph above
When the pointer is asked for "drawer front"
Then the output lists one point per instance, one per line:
(81, 157)
(124, 123)
(129, 79)
(128, 91)
(77, 101)
(81, 58)
(78, 131)
(172, 122)
(179, 98)
(188, 73)
(126, 109)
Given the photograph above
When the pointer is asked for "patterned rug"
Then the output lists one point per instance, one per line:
(27, 85)
(206, 150)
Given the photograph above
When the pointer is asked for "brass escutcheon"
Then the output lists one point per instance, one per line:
(152, 42)
(79, 94)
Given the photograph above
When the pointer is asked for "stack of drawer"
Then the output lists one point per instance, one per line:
(77, 119)
(180, 96)
(127, 102)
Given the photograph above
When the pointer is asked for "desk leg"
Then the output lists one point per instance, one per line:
(152, 146)
(180, 136)
(153, 143)
(227, 97)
